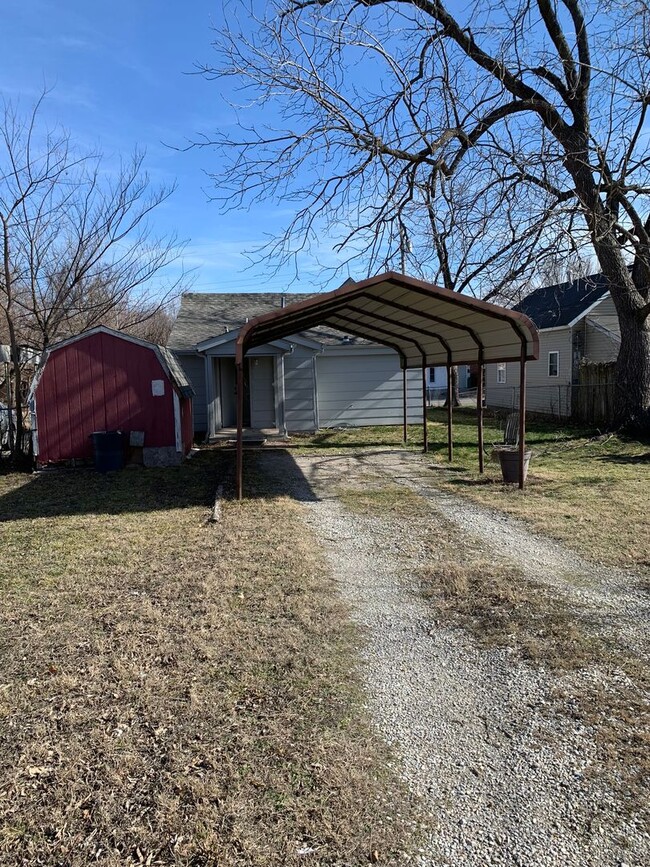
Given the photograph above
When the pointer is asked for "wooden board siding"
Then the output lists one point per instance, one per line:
(194, 368)
(99, 383)
(363, 390)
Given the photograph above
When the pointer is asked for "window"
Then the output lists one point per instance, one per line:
(554, 363)
(432, 376)
(501, 373)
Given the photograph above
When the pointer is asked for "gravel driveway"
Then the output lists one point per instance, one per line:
(504, 776)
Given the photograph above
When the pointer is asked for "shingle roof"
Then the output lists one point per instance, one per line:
(176, 372)
(552, 306)
(203, 315)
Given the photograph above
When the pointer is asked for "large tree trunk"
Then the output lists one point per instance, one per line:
(632, 383)
(632, 380)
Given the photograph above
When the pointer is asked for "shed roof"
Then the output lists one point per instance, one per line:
(423, 323)
(166, 358)
(563, 303)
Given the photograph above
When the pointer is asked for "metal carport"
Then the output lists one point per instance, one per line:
(426, 325)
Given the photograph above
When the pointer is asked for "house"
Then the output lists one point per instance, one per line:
(105, 380)
(437, 380)
(312, 380)
(577, 323)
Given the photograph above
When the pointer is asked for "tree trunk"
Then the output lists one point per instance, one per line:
(632, 379)
(455, 388)
(17, 392)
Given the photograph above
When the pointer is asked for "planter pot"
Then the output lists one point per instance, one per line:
(509, 460)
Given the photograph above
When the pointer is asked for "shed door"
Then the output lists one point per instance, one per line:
(262, 392)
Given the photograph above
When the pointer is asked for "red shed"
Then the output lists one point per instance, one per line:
(104, 380)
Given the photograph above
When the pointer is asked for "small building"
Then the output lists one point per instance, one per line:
(104, 380)
(312, 380)
(577, 325)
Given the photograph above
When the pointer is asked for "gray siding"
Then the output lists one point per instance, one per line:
(194, 367)
(299, 408)
(546, 394)
(359, 390)
(262, 392)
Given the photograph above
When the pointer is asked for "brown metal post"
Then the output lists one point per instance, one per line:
(522, 413)
(239, 365)
(404, 398)
(425, 432)
(450, 432)
(479, 411)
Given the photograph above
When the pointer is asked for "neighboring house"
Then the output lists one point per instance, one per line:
(437, 380)
(312, 380)
(103, 380)
(577, 322)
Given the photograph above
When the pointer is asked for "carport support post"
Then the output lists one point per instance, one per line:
(450, 434)
(239, 366)
(522, 413)
(479, 410)
(404, 401)
(425, 432)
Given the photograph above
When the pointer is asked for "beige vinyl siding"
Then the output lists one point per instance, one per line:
(194, 368)
(299, 403)
(596, 344)
(361, 390)
(605, 314)
(545, 394)
(599, 346)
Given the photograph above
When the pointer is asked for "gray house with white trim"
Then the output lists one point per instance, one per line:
(313, 380)
(577, 322)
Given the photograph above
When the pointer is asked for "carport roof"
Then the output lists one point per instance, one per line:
(423, 323)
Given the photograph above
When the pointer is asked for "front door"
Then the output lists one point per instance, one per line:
(262, 391)
(259, 392)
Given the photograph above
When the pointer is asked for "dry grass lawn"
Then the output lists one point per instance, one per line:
(173, 692)
(596, 680)
(584, 489)
(603, 685)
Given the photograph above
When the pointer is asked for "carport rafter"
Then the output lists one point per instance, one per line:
(375, 328)
(381, 318)
(514, 339)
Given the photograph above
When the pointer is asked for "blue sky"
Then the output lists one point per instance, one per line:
(119, 78)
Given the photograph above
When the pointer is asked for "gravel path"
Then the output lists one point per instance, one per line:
(505, 778)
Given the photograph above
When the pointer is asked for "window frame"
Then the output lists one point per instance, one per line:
(556, 353)
(502, 375)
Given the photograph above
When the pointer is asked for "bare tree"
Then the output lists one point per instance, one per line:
(536, 110)
(76, 244)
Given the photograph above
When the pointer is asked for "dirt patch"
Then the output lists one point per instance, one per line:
(173, 692)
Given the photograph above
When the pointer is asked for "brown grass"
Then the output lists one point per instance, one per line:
(173, 692)
(370, 495)
(586, 490)
(598, 682)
